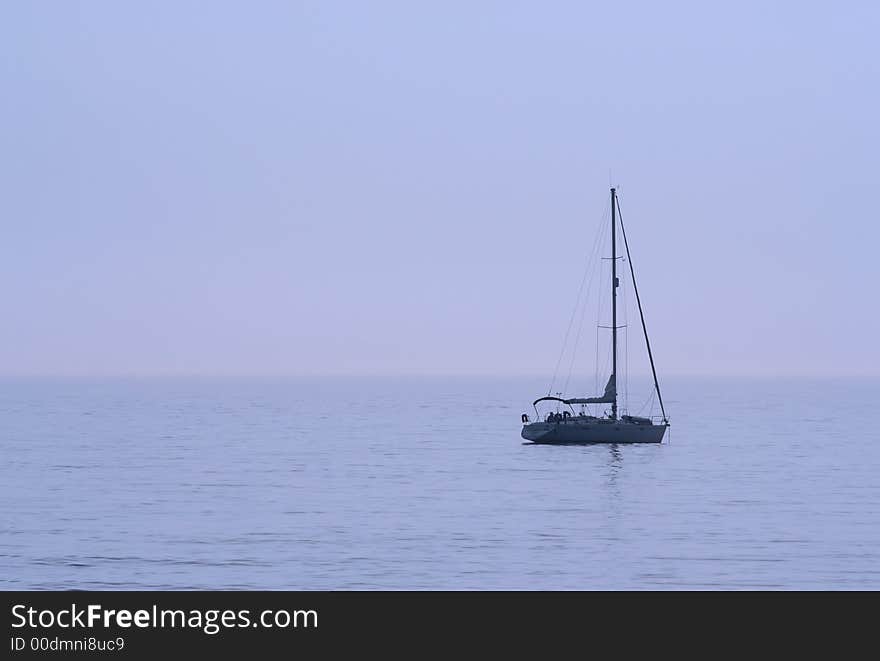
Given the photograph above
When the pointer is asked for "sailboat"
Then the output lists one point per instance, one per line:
(571, 427)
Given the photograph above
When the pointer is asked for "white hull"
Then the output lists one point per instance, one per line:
(574, 431)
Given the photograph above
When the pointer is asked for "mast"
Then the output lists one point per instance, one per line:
(614, 300)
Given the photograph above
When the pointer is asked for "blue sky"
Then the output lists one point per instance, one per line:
(391, 187)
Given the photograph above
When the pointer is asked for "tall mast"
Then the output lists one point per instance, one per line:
(614, 299)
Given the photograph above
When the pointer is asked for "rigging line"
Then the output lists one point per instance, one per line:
(597, 384)
(623, 295)
(575, 348)
(599, 315)
(598, 333)
(606, 368)
(577, 338)
(597, 249)
(606, 365)
(608, 360)
(641, 313)
(590, 259)
(650, 400)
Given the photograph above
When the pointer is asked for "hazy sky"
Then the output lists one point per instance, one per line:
(310, 187)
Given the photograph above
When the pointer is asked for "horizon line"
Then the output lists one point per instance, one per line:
(410, 374)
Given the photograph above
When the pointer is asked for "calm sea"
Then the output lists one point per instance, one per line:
(425, 484)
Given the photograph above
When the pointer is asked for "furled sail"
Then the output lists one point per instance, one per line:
(606, 398)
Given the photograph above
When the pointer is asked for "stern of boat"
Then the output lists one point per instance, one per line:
(535, 431)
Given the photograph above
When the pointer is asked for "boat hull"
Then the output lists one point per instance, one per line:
(573, 432)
